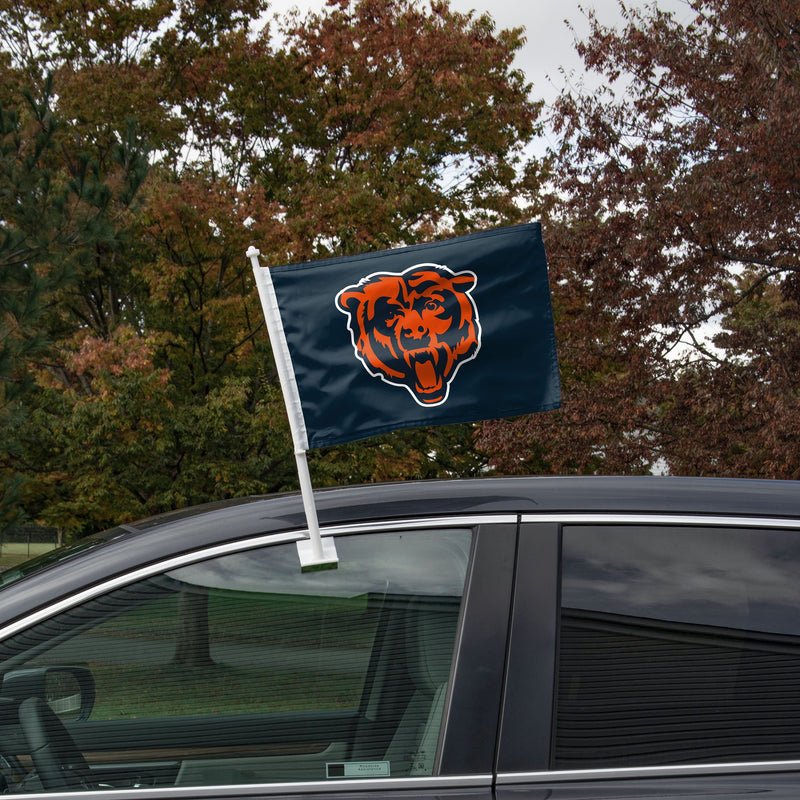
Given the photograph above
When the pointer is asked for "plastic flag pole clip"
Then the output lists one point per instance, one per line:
(315, 553)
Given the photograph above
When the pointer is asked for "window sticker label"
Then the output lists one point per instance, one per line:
(358, 769)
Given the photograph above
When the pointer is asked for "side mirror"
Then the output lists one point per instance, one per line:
(68, 690)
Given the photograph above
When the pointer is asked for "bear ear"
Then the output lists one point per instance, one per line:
(464, 281)
(349, 300)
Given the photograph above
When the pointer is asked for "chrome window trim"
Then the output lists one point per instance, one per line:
(670, 771)
(213, 551)
(261, 789)
(680, 770)
(660, 518)
(466, 521)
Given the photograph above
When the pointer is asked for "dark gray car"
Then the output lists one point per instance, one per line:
(512, 638)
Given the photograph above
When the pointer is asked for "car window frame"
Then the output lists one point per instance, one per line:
(467, 746)
(540, 544)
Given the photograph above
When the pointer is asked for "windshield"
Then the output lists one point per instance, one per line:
(52, 557)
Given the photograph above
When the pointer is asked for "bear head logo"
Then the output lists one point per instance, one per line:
(415, 328)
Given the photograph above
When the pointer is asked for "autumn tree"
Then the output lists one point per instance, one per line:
(370, 124)
(679, 219)
(58, 230)
(386, 122)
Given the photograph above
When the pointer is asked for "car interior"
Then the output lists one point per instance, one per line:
(391, 731)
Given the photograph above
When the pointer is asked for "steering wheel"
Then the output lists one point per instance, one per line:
(58, 762)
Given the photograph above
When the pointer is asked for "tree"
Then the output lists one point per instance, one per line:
(193, 642)
(681, 201)
(55, 232)
(375, 124)
(22, 291)
(385, 122)
(746, 402)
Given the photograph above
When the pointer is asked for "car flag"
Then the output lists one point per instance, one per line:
(452, 331)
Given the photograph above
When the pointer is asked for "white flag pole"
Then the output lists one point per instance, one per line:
(316, 553)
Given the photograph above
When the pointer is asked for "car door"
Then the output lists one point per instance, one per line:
(232, 667)
(653, 656)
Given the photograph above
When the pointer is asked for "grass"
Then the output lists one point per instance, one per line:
(255, 629)
(266, 619)
(13, 554)
(168, 690)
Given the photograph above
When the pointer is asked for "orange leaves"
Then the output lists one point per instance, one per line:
(679, 202)
(92, 365)
(124, 352)
(371, 124)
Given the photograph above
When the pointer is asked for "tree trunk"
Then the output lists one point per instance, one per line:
(193, 648)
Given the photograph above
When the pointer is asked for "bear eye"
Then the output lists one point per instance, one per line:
(432, 305)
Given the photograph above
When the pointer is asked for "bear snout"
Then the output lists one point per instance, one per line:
(414, 337)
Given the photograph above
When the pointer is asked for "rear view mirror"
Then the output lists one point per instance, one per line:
(68, 690)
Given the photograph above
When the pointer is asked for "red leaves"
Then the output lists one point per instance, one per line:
(400, 117)
(680, 201)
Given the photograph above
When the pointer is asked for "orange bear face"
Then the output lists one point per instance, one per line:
(415, 328)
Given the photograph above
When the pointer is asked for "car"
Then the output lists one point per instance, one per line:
(508, 638)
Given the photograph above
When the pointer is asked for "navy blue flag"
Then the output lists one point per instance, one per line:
(452, 331)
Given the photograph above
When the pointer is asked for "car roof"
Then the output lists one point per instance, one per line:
(157, 538)
(524, 494)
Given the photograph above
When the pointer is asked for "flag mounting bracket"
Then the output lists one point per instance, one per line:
(315, 553)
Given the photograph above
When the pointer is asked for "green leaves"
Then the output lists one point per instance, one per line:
(166, 140)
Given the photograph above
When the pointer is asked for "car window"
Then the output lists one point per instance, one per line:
(244, 669)
(678, 645)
